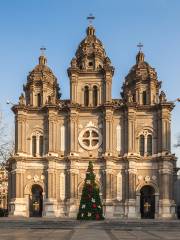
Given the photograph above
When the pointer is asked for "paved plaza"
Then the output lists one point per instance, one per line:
(54, 229)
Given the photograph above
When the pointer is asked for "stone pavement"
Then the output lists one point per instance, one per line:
(63, 229)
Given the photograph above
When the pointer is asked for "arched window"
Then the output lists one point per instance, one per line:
(134, 97)
(34, 146)
(90, 64)
(149, 145)
(141, 145)
(95, 96)
(38, 99)
(41, 142)
(144, 98)
(86, 96)
(37, 144)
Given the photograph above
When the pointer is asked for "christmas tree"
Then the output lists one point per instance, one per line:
(90, 206)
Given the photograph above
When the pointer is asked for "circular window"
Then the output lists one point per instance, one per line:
(90, 138)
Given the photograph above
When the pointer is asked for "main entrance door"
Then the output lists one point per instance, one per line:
(36, 201)
(147, 202)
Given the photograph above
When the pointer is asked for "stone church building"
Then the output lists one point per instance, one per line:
(127, 139)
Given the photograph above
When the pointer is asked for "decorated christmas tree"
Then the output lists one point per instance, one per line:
(90, 205)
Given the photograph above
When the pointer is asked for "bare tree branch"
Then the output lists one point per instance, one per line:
(6, 143)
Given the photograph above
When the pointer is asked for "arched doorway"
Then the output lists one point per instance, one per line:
(147, 202)
(36, 201)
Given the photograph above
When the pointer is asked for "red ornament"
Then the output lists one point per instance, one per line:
(94, 205)
(97, 216)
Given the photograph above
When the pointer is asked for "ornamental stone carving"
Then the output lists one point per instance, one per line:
(147, 178)
(28, 177)
(90, 138)
(42, 177)
(36, 178)
(140, 177)
(154, 177)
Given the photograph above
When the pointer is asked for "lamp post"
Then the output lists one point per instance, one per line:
(177, 100)
(9, 103)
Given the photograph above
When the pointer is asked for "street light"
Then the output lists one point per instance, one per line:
(9, 102)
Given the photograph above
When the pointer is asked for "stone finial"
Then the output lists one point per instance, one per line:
(162, 97)
(107, 61)
(22, 99)
(42, 60)
(130, 98)
(140, 57)
(74, 63)
(90, 31)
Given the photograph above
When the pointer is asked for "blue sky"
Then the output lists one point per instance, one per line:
(60, 25)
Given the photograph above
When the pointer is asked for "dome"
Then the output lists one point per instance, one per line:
(41, 82)
(91, 54)
(141, 70)
(91, 45)
(41, 70)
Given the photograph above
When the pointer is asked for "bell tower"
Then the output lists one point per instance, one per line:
(90, 73)
(141, 84)
(41, 86)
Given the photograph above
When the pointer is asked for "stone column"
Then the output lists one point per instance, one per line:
(109, 131)
(90, 96)
(99, 96)
(18, 185)
(132, 184)
(138, 205)
(159, 132)
(164, 135)
(52, 132)
(73, 88)
(50, 204)
(76, 186)
(165, 124)
(13, 185)
(156, 205)
(19, 175)
(131, 130)
(37, 145)
(19, 134)
(43, 208)
(73, 133)
(125, 133)
(26, 196)
(51, 183)
(108, 206)
(165, 183)
(73, 207)
(108, 186)
(132, 193)
(51, 135)
(108, 88)
(72, 185)
(166, 206)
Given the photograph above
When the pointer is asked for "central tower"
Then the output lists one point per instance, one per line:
(90, 72)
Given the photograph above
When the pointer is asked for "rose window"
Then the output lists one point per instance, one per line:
(90, 138)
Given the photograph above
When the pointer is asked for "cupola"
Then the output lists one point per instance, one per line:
(41, 87)
(141, 85)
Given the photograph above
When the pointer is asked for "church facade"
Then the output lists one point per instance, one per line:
(127, 139)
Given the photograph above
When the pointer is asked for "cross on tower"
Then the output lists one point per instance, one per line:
(43, 49)
(140, 45)
(90, 18)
